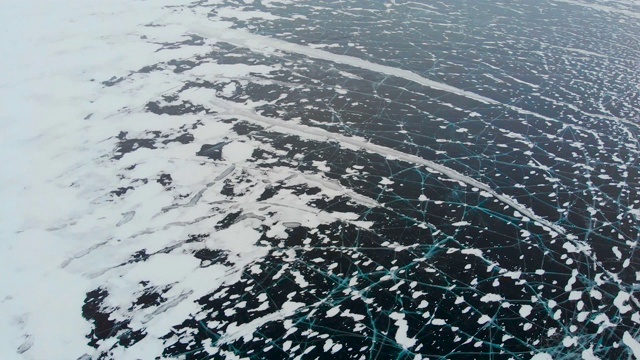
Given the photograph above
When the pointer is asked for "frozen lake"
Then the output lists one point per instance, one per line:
(266, 179)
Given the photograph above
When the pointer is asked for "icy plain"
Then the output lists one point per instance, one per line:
(269, 179)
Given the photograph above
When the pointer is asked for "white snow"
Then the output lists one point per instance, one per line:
(588, 354)
(237, 151)
(632, 343)
(386, 181)
(525, 310)
(621, 302)
(575, 295)
(333, 311)
(402, 337)
(491, 298)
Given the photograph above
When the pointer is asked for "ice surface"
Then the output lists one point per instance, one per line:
(317, 179)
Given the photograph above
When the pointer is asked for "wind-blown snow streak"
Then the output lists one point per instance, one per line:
(264, 43)
(232, 109)
(267, 44)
